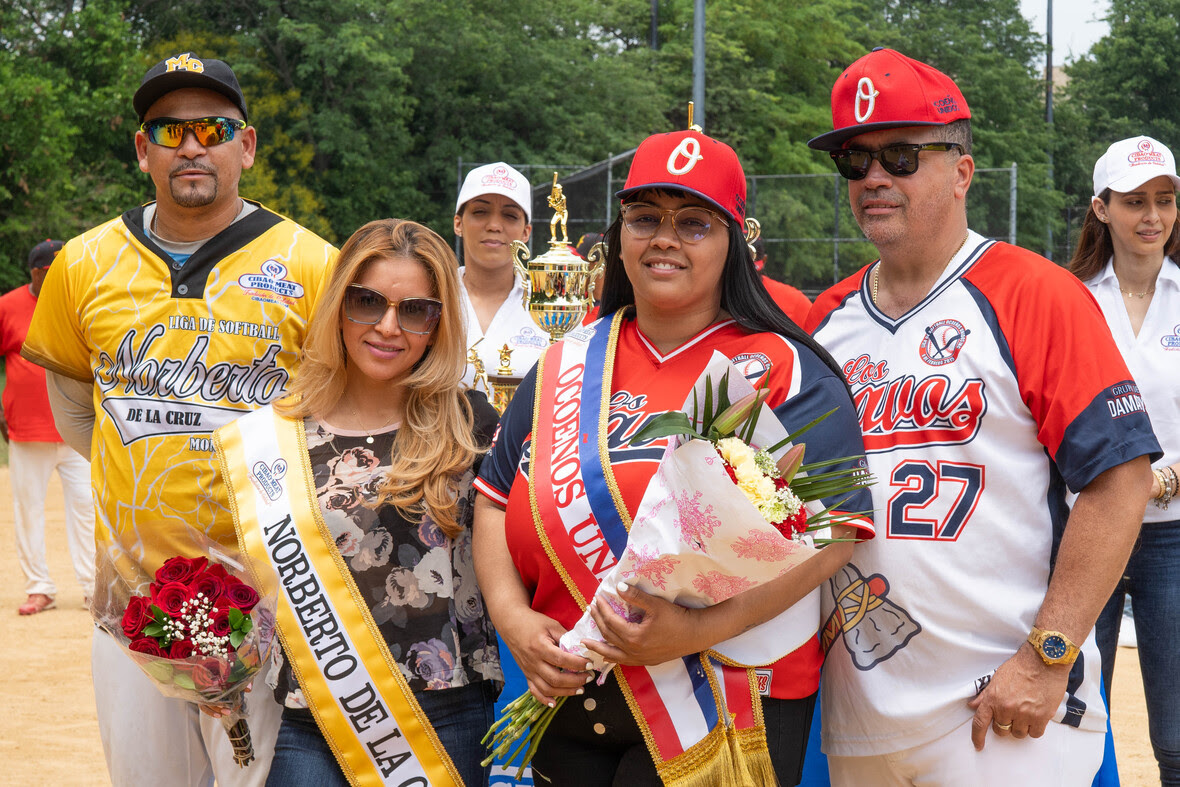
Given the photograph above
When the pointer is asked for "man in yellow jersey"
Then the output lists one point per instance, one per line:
(156, 328)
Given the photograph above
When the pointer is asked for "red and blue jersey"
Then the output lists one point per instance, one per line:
(644, 384)
(979, 408)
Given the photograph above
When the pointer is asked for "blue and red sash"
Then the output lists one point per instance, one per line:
(702, 721)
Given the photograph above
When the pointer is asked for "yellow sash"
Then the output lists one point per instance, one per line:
(364, 707)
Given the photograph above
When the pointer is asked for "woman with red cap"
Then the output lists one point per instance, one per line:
(679, 285)
(1127, 256)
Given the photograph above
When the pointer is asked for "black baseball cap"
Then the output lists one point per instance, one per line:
(43, 253)
(187, 70)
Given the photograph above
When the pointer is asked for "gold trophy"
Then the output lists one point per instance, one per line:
(558, 285)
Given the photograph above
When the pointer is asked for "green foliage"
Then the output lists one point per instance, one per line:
(364, 107)
(67, 72)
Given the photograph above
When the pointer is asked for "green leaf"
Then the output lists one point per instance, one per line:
(236, 638)
(153, 630)
(235, 617)
(665, 424)
(184, 681)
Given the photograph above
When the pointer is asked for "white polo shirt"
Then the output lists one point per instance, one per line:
(1153, 357)
(511, 326)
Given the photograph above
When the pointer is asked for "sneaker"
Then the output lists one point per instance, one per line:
(37, 602)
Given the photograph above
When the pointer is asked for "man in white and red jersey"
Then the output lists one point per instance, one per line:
(157, 327)
(986, 384)
(36, 450)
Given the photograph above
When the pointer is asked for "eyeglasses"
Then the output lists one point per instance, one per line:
(414, 315)
(209, 131)
(899, 159)
(692, 224)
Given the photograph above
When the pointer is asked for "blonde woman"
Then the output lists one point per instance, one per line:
(357, 489)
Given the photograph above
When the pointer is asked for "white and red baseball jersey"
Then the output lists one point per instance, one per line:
(979, 407)
(645, 384)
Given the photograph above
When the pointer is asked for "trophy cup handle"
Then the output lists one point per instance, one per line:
(520, 255)
(753, 231)
(597, 259)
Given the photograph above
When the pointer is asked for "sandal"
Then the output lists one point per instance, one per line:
(37, 602)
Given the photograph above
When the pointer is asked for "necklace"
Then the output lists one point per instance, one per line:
(877, 271)
(1139, 295)
(368, 434)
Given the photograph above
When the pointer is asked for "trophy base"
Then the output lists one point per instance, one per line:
(502, 390)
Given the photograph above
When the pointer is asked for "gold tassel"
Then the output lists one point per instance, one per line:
(726, 757)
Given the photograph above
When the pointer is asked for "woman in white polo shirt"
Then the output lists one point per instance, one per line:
(1127, 256)
(494, 208)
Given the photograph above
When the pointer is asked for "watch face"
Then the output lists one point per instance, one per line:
(1054, 647)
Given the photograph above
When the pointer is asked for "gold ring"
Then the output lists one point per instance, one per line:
(1004, 727)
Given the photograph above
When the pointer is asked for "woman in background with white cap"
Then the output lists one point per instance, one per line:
(494, 208)
(1127, 256)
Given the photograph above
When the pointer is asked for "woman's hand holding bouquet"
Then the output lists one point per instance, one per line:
(731, 507)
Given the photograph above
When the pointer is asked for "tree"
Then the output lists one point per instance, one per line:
(66, 78)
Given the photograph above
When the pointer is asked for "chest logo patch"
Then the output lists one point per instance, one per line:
(271, 284)
(1171, 341)
(943, 342)
(751, 365)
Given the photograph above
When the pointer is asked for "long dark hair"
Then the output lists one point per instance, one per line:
(743, 294)
(1095, 246)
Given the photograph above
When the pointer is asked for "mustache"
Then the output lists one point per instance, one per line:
(880, 194)
(190, 166)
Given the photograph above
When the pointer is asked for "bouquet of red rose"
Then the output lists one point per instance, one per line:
(200, 631)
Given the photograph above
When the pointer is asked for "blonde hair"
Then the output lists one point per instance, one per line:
(434, 445)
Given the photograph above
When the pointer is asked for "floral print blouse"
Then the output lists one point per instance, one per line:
(420, 584)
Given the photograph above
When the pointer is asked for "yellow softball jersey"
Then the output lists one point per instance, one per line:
(174, 351)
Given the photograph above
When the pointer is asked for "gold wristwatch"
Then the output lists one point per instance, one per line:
(1053, 646)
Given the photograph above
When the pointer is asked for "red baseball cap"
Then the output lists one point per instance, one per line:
(886, 89)
(692, 162)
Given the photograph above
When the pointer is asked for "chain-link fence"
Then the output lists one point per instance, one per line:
(812, 240)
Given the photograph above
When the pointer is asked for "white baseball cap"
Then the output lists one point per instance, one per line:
(1129, 163)
(497, 178)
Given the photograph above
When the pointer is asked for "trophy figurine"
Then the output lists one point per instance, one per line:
(500, 386)
(557, 284)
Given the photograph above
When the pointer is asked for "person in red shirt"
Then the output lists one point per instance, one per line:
(36, 450)
(791, 300)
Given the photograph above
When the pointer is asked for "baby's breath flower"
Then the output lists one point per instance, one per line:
(766, 464)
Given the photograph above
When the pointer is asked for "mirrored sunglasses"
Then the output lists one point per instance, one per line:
(692, 224)
(414, 315)
(209, 131)
(899, 159)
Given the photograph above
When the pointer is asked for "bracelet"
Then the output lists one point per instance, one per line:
(1167, 481)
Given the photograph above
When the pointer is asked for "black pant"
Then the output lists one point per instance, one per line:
(595, 742)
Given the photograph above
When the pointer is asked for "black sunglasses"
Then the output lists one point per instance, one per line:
(899, 159)
(414, 315)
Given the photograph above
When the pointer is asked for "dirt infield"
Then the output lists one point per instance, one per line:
(48, 729)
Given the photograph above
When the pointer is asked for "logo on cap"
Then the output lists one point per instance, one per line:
(690, 150)
(1145, 153)
(183, 63)
(499, 177)
(867, 93)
